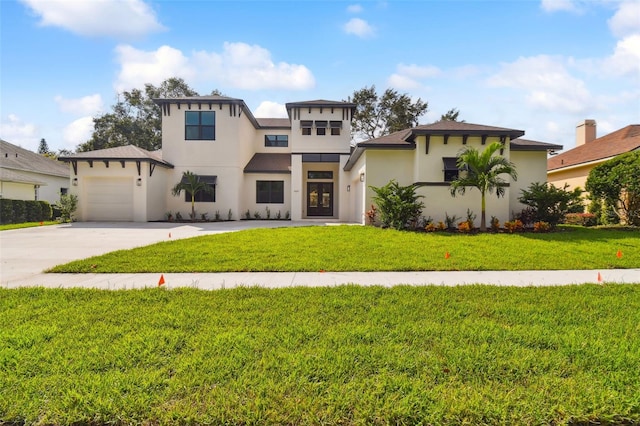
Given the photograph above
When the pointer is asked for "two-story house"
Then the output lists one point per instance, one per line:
(302, 167)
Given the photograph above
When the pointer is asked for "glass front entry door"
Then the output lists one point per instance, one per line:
(320, 199)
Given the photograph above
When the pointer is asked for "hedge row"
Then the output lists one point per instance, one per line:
(20, 211)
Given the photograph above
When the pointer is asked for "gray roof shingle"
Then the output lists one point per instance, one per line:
(16, 158)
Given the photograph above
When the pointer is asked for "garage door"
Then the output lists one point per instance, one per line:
(109, 199)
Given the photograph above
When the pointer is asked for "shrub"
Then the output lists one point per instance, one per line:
(178, 216)
(514, 226)
(19, 211)
(471, 217)
(6, 211)
(583, 219)
(399, 206)
(549, 203)
(450, 220)
(68, 204)
(247, 214)
(541, 227)
(229, 215)
(441, 226)
(256, 215)
(430, 227)
(217, 216)
(46, 212)
(527, 216)
(495, 224)
(371, 214)
(32, 211)
(464, 227)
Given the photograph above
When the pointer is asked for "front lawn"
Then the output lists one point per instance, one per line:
(358, 248)
(342, 355)
(9, 226)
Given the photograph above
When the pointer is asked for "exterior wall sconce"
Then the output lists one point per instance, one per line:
(74, 182)
(361, 177)
(139, 182)
(348, 188)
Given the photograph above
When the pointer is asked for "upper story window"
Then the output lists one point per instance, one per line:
(336, 127)
(321, 128)
(276, 140)
(451, 170)
(306, 125)
(200, 125)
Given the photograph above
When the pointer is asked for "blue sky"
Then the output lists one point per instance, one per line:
(540, 66)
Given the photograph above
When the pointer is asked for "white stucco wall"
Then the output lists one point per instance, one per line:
(17, 191)
(531, 167)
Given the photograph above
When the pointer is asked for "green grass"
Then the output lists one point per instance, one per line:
(342, 355)
(358, 248)
(10, 226)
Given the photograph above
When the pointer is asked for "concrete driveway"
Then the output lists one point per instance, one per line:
(28, 252)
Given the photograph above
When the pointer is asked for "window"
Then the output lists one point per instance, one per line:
(320, 175)
(306, 127)
(203, 196)
(64, 191)
(321, 128)
(276, 140)
(270, 191)
(336, 127)
(451, 170)
(200, 125)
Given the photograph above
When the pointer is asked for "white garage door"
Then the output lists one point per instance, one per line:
(109, 199)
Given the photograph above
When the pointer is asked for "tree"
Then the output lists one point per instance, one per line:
(551, 204)
(67, 205)
(192, 185)
(482, 170)
(135, 119)
(377, 116)
(451, 115)
(616, 183)
(43, 148)
(398, 205)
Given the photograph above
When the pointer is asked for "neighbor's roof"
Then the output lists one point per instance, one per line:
(19, 159)
(269, 163)
(120, 153)
(18, 176)
(619, 142)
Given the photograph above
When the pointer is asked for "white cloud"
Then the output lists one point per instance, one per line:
(17, 132)
(77, 132)
(359, 27)
(271, 110)
(407, 77)
(239, 65)
(354, 8)
(87, 105)
(626, 20)
(626, 58)
(115, 18)
(548, 84)
(559, 5)
(138, 67)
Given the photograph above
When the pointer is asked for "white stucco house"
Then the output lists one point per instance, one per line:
(302, 166)
(25, 175)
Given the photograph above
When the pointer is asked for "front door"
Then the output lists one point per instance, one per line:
(319, 198)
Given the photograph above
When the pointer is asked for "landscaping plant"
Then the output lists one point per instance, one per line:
(398, 206)
(550, 204)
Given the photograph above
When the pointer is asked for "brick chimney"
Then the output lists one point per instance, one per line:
(585, 132)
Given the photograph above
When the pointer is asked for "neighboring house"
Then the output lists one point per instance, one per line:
(302, 166)
(573, 166)
(25, 175)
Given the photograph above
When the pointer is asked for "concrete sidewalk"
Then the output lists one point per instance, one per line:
(215, 281)
(26, 253)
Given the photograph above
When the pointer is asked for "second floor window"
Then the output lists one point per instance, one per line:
(276, 140)
(200, 125)
(321, 128)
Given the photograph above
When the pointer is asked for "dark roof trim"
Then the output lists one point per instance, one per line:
(123, 159)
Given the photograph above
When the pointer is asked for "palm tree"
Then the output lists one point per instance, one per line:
(483, 171)
(192, 185)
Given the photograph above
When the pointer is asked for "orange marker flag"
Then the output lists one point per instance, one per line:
(619, 254)
(161, 281)
(169, 234)
(599, 277)
(447, 255)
